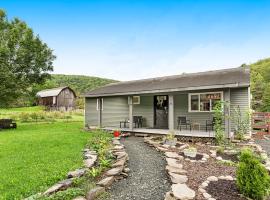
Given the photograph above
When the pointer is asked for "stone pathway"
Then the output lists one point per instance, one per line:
(147, 178)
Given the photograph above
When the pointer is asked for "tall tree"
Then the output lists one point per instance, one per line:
(24, 59)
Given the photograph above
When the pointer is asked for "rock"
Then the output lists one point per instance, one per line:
(221, 177)
(90, 162)
(177, 178)
(183, 147)
(201, 190)
(212, 178)
(126, 170)
(118, 147)
(182, 191)
(116, 142)
(79, 198)
(125, 175)
(58, 186)
(174, 163)
(175, 170)
(119, 163)
(206, 155)
(95, 192)
(122, 155)
(162, 149)
(206, 195)
(204, 159)
(106, 182)
(169, 196)
(204, 185)
(211, 198)
(114, 171)
(173, 155)
(76, 173)
(229, 178)
(218, 158)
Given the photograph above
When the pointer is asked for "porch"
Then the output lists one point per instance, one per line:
(186, 133)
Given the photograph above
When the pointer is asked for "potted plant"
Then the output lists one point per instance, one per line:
(170, 139)
(190, 152)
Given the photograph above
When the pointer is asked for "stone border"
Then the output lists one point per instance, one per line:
(213, 179)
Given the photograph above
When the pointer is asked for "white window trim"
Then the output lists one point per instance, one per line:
(139, 100)
(199, 95)
(102, 104)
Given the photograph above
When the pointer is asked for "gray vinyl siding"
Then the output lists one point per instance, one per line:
(181, 109)
(115, 109)
(146, 110)
(91, 113)
(239, 97)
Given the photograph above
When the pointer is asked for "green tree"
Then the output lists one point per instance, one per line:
(24, 59)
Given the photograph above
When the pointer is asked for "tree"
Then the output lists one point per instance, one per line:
(24, 59)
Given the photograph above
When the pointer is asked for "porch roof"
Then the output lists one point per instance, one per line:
(226, 78)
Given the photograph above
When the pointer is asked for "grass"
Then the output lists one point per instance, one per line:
(21, 109)
(35, 156)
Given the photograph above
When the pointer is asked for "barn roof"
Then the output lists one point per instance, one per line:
(226, 78)
(51, 92)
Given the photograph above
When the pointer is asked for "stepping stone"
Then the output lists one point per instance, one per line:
(114, 171)
(182, 192)
(174, 163)
(177, 178)
(175, 170)
(106, 182)
(95, 192)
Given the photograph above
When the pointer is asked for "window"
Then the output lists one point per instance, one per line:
(98, 104)
(135, 100)
(204, 102)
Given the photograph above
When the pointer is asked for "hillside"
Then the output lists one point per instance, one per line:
(260, 85)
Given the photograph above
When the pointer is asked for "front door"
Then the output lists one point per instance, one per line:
(161, 112)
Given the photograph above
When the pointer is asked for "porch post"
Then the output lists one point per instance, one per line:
(171, 113)
(227, 108)
(130, 101)
(99, 108)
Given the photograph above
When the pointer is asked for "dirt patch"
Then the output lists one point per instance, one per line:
(224, 189)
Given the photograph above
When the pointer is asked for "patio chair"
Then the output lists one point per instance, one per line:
(182, 121)
(137, 121)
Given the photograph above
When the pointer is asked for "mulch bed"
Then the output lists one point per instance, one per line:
(225, 156)
(224, 189)
(197, 157)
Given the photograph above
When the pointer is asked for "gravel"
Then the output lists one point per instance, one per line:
(265, 144)
(147, 178)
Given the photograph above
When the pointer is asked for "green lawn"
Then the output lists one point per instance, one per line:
(35, 156)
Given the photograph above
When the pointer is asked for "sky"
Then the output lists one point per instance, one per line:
(135, 39)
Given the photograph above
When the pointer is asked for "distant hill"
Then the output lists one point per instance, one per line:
(79, 83)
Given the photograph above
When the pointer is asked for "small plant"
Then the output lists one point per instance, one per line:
(220, 150)
(190, 152)
(218, 114)
(242, 123)
(252, 178)
(105, 163)
(171, 135)
(95, 172)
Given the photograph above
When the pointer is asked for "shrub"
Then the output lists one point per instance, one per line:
(252, 178)
(219, 132)
(34, 116)
(242, 123)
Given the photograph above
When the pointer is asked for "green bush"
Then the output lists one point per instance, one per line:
(252, 178)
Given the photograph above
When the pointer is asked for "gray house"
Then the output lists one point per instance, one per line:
(182, 103)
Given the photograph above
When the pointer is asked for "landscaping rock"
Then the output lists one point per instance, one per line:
(177, 178)
(90, 161)
(114, 171)
(106, 182)
(141, 135)
(119, 163)
(212, 178)
(58, 186)
(206, 195)
(182, 191)
(76, 173)
(162, 149)
(173, 155)
(175, 170)
(116, 142)
(118, 147)
(183, 147)
(95, 192)
(174, 163)
(126, 170)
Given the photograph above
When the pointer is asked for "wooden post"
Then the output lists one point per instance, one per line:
(171, 113)
(130, 101)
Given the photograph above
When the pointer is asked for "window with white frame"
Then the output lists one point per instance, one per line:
(99, 106)
(203, 102)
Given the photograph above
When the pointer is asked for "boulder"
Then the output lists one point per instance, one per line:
(90, 161)
(114, 171)
(95, 192)
(182, 192)
(177, 178)
(119, 163)
(175, 170)
(106, 182)
(212, 178)
(76, 173)
(174, 163)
